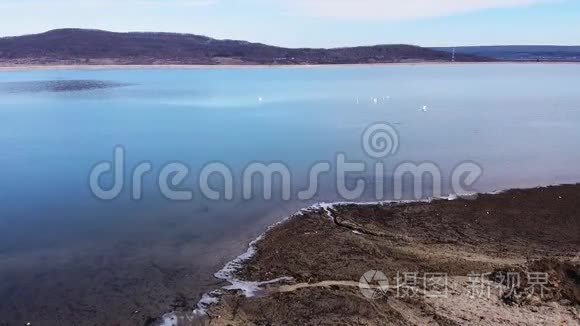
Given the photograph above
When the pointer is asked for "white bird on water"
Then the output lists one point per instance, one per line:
(375, 100)
(424, 108)
(260, 99)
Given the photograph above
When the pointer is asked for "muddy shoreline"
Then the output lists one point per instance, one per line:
(306, 270)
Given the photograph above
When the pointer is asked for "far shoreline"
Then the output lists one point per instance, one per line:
(16, 68)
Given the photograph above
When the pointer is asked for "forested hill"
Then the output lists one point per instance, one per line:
(80, 46)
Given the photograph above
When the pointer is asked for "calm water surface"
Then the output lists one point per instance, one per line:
(65, 255)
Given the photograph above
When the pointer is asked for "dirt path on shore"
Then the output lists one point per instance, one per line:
(294, 287)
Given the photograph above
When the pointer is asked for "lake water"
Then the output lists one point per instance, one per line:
(68, 257)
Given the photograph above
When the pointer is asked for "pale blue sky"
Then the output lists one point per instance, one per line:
(313, 23)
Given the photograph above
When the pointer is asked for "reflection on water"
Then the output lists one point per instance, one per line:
(57, 86)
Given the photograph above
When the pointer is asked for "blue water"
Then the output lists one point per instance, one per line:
(520, 123)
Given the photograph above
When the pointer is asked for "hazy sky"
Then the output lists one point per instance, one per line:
(313, 23)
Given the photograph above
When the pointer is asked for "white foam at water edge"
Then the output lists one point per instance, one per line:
(227, 273)
(207, 299)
